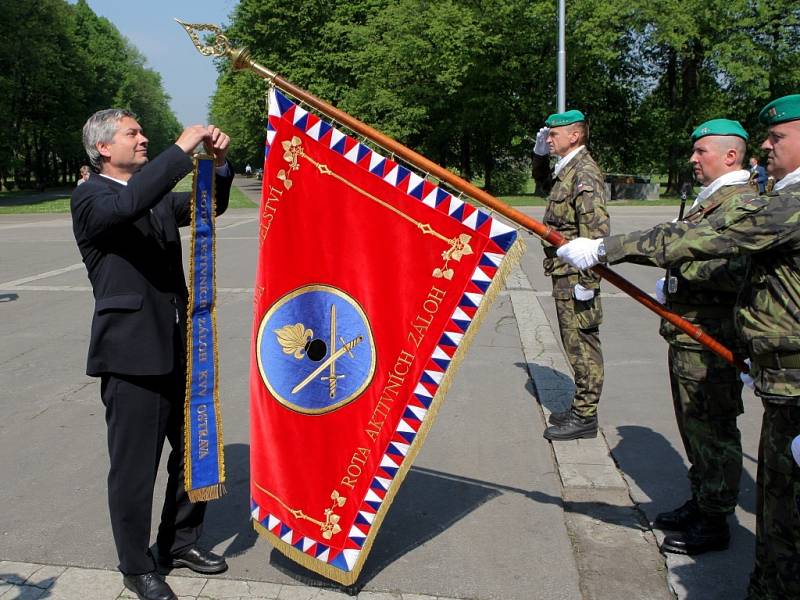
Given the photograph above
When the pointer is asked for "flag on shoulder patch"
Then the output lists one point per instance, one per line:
(369, 284)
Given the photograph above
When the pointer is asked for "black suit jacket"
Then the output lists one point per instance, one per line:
(129, 240)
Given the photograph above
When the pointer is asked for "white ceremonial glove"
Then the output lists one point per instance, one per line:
(796, 450)
(540, 147)
(660, 295)
(581, 293)
(745, 377)
(581, 253)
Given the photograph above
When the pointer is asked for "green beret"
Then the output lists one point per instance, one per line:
(781, 110)
(565, 118)
(719, 127)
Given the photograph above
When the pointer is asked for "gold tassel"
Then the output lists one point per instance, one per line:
(205, 494)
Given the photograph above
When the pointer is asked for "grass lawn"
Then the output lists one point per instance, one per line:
(531, 200)
(57, 201)
(237, 198)
(29, 201)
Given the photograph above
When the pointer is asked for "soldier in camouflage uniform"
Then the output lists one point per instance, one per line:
(576, 206)
(767, 318)
(706, 390)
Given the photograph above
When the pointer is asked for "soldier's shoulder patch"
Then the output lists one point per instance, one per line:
(586, 182)
(583, 186)
(745, 206)
(750, 201)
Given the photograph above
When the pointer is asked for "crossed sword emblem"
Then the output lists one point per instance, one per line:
(330, 362)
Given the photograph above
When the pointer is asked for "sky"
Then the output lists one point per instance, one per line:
(188, 77)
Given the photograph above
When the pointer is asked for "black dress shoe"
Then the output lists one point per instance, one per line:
(149, 586)
(706, 533)
(559, 418)
(679, 519)
(196, 559)
(575, 427)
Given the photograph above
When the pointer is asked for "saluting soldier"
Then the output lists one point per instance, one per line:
(767, 317)
(576, 207)
(706, 390)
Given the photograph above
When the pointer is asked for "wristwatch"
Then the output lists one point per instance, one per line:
(601, 251)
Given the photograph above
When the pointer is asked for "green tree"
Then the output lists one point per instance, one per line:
(60, 63)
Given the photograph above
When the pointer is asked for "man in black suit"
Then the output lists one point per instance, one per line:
(125, 219)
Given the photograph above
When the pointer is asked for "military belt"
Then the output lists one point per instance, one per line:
(778, 361)
(695, 311)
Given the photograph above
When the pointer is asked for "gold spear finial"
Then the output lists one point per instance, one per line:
(221, 46)
(240, 57)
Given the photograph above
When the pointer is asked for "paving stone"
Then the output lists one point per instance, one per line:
(583, 452)
(25, 592)
(332, 595)
(15, 572)
(590, 476)
(379, 596)
(45, 576)
(86, 583)
(225, 589)
(297, 592)
(187, 586)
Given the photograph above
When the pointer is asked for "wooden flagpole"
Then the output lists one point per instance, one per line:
(241, 60)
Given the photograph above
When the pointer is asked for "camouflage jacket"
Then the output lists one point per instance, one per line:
(705, 291)
(576, 207)
(767, 314)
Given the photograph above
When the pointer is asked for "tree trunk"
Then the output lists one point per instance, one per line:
(672, 94)
(466, 157)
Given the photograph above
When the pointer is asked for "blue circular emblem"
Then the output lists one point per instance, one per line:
(315, 349)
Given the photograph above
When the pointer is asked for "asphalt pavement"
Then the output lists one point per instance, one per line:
(490, 510)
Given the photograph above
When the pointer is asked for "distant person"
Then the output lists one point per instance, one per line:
(576, 207)
(248, 170)
(85, 171)
(758, 174)
(126, 221)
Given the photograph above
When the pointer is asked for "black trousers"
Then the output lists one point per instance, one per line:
(140, 413)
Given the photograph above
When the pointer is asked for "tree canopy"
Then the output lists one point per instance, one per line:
(469, 82)
(60, 63)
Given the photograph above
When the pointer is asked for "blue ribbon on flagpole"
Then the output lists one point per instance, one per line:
(205, 465)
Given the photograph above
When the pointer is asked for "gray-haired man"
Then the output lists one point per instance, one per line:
(125, 219)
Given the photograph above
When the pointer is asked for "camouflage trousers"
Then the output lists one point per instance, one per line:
(578, 324)
(707, 396)
(776, 574)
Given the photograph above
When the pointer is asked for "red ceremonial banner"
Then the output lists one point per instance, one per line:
(370, 283)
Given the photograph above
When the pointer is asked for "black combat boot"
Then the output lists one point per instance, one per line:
(706, 533)
(559, 418)
(573, 428)
(678, 519)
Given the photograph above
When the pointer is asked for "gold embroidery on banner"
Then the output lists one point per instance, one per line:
(328, 361)
(459, 245)
(294, 339)
(329, 527)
